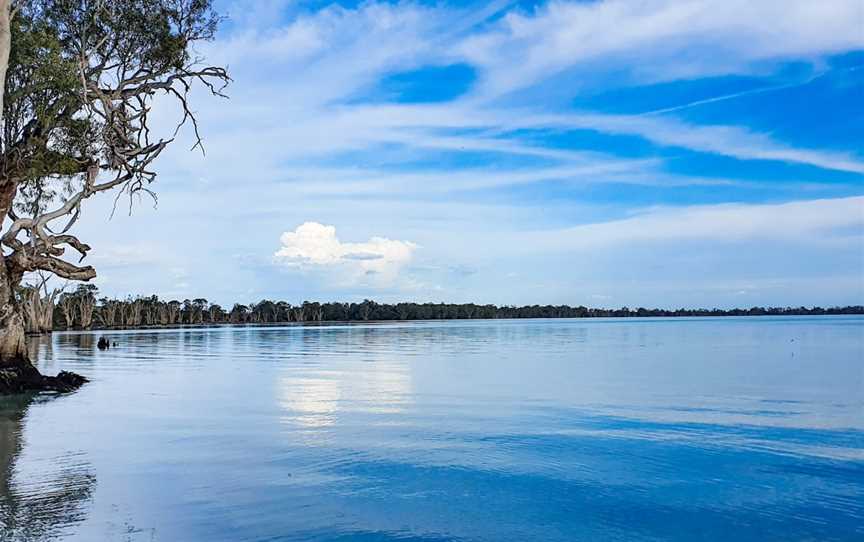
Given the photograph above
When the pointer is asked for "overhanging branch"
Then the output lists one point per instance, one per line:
(79, 108)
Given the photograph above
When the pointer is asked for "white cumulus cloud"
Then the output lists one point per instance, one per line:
(377, 261)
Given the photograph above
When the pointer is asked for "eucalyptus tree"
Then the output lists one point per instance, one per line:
(151, 309)
(298, 314)
(30, 300)
(215, 313)
(79, 80)
(366, 309)
(38, 309)
(67, 308)
(108, 309)
(313, 311)
(239, 314)
(199, 307)
(131, 312)
(265, 311)
(173, 312)
(404, 310)
(283, 311)
(85, 303)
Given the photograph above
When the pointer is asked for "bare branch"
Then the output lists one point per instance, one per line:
(78, 111)
(63, 269)
(25, 260)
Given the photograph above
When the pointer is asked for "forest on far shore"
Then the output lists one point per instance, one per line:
(82, 308)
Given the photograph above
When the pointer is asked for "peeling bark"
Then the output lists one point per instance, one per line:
(5, 46)
(17, 373)
(13, 345)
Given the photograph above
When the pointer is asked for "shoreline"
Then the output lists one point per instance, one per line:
(324, 323)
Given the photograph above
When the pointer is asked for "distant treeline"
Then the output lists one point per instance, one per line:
(84, 309)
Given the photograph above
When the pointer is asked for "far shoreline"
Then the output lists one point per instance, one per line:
(328, 323)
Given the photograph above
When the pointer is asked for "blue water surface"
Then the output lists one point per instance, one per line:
(512, 430)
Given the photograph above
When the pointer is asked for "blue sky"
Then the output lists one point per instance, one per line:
(606, 153)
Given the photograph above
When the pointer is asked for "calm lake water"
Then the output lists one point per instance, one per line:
(555, 430)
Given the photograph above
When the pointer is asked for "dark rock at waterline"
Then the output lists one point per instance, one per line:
(24, 378)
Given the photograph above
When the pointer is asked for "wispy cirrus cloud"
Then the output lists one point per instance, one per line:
(658, 40)
(299, 90)
(811, 221)
(309, 133)
(726, 140)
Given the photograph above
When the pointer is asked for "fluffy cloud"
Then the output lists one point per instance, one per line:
(376, 261)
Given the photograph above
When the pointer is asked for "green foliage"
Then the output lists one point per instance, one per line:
(41, 81)
(52, 129)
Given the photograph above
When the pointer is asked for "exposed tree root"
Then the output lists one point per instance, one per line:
(25, 377)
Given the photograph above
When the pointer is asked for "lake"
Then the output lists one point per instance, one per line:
(507, 430)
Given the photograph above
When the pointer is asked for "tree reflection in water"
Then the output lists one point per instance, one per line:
(42, 507)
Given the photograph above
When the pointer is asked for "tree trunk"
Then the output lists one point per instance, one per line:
(13, 345)
(5, 46)
(12, 341)
(17, 374)
(46, 317)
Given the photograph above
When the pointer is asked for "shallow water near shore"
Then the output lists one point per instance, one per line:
(532, 430)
